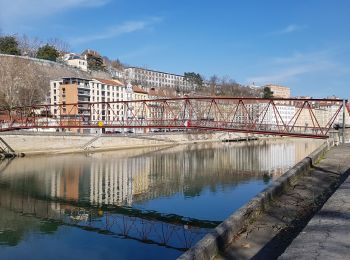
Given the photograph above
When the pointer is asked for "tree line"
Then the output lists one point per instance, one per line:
(219, 86)
(51, 50)
(18, 78)
(33, 47)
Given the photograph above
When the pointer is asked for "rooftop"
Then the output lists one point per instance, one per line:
(111, 82)
(155, 71)
(138, 89)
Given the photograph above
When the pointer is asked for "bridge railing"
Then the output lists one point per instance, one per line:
(290, 117)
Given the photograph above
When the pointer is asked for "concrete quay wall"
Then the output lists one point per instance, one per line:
(227, 231)
(45, 143)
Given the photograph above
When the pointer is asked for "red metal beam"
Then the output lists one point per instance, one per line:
(245, 115)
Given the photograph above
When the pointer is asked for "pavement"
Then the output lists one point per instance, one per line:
(308, 221)
(327, 235)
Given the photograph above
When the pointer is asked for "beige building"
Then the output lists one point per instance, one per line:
(279, 91)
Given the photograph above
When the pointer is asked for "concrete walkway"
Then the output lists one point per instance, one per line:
(327, 235)
(281, 224)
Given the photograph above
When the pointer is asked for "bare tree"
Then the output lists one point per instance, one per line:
(21, 83)
(179, 86)
(117, 64)
(60, 45)
(28, 46)
(213, 84)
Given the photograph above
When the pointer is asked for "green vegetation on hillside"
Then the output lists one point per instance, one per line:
(9, 45)
(194, 80)
(267, 93)
(47, 52)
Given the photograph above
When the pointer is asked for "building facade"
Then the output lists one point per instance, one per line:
(68, 91)
(154, 78)
(279, 91)
(76, 61)
(103, 90)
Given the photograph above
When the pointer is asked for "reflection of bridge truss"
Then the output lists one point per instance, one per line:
(169, 233)
(5, 147)
(285, 117)
(4, 164)
(180, 237)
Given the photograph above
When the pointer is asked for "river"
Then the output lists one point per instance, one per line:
(133, 204)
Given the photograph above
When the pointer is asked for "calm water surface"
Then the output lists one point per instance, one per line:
(140, 204)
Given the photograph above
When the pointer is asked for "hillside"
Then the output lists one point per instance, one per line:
(25, 81)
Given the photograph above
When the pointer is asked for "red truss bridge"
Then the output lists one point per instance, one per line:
(311, 118)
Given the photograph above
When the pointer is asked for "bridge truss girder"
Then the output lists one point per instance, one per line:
(311, 118)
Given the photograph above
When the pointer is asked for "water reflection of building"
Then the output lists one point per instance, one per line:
(116, 181)
(186, 170)
(65, 183)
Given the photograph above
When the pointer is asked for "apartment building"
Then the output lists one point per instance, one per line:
(263, 113)
(104, 90)
(279, 91)
(154, 78)
(324, 114)
(136, 110)
(67, 91)
(285, 114)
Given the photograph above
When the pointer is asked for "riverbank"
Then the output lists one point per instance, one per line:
(326, 236)
(30, 144)
(265, 226)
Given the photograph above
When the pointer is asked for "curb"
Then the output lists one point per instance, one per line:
(209, 246)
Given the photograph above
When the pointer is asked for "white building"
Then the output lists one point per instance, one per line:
(103, 90)
(74, 90)
(154, 78)
(273, 116)
(285, 112)
(116, 73)
(76, 61)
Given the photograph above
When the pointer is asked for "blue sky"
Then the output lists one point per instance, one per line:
(301, 44)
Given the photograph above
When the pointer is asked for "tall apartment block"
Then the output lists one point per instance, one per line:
(68, 91)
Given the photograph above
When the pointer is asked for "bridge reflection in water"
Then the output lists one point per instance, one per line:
(116, 194)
